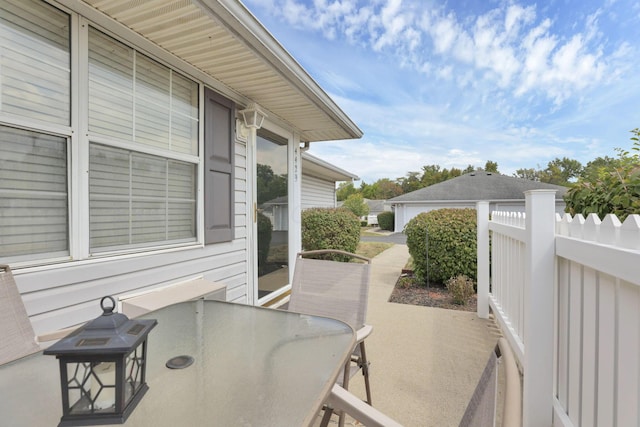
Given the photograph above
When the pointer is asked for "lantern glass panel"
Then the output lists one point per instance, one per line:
(134, 371)
(91, 387)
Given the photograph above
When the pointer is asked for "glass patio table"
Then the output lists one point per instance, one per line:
(252, 367)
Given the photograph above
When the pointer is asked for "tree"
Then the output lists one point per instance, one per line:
(491, 166)
(561, 171)
(355, 203)
(596, 168)
(468, 169)
(530, 174)
(386, 189)
(614, 189)
(270, 185)
(345, 189)
(410, 183)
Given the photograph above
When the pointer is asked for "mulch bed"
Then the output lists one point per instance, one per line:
(409, 291)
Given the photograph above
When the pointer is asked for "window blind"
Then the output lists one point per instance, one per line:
(35, 61)
(33, 195)
(136, 99)
(138, 199)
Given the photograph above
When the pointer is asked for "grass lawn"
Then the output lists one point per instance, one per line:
(371, 249)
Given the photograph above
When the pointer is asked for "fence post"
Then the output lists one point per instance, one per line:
(482, 211)
(538, 308)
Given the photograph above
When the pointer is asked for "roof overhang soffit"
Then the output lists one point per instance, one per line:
(222, 39)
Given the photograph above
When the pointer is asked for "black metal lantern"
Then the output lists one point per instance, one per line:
(102, 368)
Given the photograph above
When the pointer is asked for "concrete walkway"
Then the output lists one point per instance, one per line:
(425, 362)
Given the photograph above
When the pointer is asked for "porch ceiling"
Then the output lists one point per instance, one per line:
(224, 40)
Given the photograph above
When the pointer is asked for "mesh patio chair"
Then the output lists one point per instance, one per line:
(481, 410)
(337, 290)
(17, 336)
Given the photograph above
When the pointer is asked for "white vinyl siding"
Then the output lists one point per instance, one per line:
(317, 193)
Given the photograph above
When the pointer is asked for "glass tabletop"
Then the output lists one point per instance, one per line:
(252, 367)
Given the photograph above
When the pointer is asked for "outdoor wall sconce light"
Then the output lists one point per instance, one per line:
(102, 368)
(253, 116)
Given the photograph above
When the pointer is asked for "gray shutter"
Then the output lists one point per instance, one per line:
(219, 177)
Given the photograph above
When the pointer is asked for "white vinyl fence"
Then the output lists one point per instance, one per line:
(566, 294)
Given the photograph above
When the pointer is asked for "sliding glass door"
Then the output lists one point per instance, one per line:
(273, 213)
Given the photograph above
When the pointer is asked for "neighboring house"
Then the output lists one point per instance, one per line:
(376, 207)
(319, 180)
(130, 135)
(503, 193)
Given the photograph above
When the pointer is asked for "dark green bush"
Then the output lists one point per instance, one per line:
(265, 228)
(452, 244)
(386, 220)
(327, 228)
(363, 223)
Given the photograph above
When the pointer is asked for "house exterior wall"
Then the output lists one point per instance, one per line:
(404, 212)
(66, 292)
(317, 193)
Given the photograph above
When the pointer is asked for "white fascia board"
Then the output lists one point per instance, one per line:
(244, 25)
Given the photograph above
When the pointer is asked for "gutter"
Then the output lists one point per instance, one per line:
(233, 15)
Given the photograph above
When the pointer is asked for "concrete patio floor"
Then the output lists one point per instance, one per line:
(425, 362)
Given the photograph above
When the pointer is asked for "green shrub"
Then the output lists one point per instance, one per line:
(452, 244)
(363, 223)
(264, 238)
(461, 289)
(327, 228)
(614, 190)
(386, 220)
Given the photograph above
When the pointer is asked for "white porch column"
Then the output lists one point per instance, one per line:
(538, 308)
(482, 210)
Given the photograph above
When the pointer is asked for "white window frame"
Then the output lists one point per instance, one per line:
(81, 17)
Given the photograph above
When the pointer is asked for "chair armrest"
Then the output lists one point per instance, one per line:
(47, 337)
(363, 333)
(342, 400)
(512, 413)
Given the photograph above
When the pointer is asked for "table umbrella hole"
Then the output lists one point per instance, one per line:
(180, 362)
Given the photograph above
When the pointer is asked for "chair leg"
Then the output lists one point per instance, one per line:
(345, 385)
(365, 371)
(328, 411)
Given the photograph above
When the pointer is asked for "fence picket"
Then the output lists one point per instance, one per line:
(606, 349)
(596, 311)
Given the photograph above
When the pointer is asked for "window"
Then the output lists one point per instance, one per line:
(35, 62)
(33, 195)
(35, 81)
(143, 194)
(126, 167)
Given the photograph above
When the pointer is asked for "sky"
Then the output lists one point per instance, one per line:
(457, 83)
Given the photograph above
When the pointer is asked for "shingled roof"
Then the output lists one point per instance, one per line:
(478, 185)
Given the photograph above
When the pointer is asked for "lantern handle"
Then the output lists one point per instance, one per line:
(107, 310)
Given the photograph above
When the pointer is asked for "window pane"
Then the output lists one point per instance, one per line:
(139, 200)
(273, 214)
(136, 99)
(34, 61)
(152, 103)
(33, 195)
(184, 118)
(110, 87)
